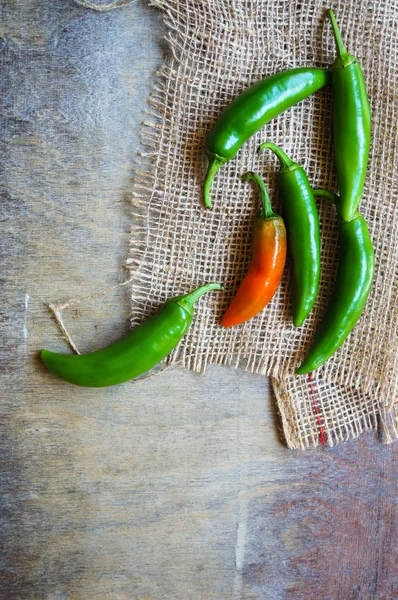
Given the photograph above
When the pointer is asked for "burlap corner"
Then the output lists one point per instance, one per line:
(217, 49)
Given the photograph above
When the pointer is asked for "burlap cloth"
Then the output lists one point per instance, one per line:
(218, 48)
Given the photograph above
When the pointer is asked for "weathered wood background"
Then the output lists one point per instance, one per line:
(177, 487)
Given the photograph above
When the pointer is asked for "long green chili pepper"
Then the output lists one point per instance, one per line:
(351, 125)
(252, 110)
(352, 287)
(302, 224)
(140, 350)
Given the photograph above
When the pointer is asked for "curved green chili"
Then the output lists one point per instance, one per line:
(302, 224)
(140, 350)
(353, 282)
(251, 110)
(351, 126)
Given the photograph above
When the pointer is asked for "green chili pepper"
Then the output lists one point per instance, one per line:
(352, 287)
(302, 224)
(351, 125)
(140, 350)
(252, 110)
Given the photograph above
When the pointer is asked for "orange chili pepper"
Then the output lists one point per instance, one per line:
(267, 264)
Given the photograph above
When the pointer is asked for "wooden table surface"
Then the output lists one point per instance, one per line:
(177, 487)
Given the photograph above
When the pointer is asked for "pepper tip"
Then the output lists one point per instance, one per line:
(301, 370)
(224, 323)
(297, 322)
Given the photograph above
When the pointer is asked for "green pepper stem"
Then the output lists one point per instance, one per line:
(334, 199)
(285, 161)
(266, 208)
(341, 51)
(215, 163)
(187, 302)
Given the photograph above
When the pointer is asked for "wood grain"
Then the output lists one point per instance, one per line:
(177, 487)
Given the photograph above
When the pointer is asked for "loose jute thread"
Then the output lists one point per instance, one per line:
(56, 310)
(104, 7)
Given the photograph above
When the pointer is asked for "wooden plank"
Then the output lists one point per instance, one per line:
(177, 487)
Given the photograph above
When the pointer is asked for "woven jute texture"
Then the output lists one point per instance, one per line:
(217, 49)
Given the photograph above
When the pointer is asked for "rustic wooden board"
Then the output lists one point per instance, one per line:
(177, 487)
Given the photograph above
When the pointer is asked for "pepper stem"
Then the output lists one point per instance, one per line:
(215, 163)
(341, 51)
(285, 161)
(188, 301)
(332, 197)
(266, 208)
